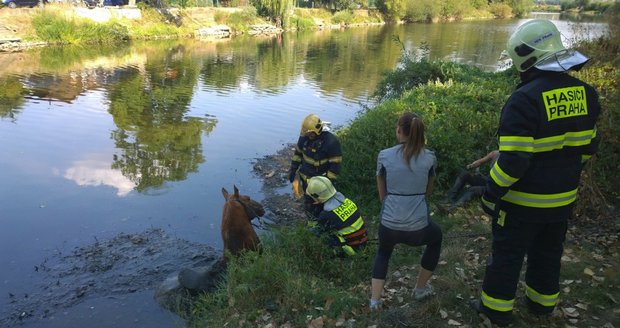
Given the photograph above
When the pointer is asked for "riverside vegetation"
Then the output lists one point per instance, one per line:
(56, 23)
(296, 282)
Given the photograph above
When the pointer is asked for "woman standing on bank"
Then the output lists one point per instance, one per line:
(405, 175)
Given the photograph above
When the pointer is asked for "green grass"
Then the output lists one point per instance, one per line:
(53, 28)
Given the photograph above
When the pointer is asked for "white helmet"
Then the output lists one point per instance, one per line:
(320, 189)
(538, 43)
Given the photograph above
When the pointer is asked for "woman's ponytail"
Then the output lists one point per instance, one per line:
(412, 127)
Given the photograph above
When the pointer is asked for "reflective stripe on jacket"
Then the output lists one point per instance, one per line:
(547, 129)
(345, 220)
(319, 156)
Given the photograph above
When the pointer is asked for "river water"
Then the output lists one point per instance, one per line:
(105, 140)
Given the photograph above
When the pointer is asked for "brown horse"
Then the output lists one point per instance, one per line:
(237, 231)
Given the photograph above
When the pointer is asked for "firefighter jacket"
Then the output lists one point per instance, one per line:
(341, 216)
(547, 130)
(319, 156)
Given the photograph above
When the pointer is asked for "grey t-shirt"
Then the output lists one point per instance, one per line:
(404, 206)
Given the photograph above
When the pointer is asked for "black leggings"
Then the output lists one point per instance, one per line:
(430, 236)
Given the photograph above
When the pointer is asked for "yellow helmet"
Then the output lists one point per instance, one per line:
(538, 43)
(320, 189)
(311, 123)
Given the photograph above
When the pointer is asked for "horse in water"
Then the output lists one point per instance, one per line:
(237, 231)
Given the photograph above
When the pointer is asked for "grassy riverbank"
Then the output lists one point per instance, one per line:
(63, 24)
(295, 282)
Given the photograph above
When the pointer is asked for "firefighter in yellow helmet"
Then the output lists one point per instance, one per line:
(317, 153)
(340, 216)
(547, 130)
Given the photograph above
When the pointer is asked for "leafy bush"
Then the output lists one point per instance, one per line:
(500, 10)
(416, 11)
(521, 7)
(392, 9)
(414, 70)
(342, 17)
(302, 23)
(454, 9)
(346, 4)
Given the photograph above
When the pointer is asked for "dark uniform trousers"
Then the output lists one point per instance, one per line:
(542, 242)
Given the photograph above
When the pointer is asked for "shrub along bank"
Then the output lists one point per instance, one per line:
(295, 282)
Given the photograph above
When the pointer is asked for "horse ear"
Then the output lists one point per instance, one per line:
(225, 193)
(236, 191)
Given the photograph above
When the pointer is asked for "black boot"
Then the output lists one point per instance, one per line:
(501, 320)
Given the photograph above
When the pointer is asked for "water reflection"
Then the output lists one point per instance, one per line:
(156, 141)
(12, 93)
(96, 171)
(149, 87)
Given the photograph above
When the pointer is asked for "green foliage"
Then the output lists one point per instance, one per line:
(392, 9)
(302, 23)
(479, 4)
(241, 20)
(586, 5)
(520, 7)
(500, 10)
(602, 73)
(346, 4)
(295, 271)
(416, 69)
(459, 104)
(454, 9)
(276, 10)
(416, 11)
(51, 27)
(429, 10)
(156, 30)
(342, 17)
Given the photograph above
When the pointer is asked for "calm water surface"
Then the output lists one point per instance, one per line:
(99, 141)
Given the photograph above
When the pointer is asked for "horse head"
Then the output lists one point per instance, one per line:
(237, 231)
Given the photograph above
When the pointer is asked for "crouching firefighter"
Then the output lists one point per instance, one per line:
(340, 217)
(547, 130)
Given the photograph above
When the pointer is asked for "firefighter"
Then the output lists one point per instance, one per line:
(546, 131)
(340, 216)
(317, 153)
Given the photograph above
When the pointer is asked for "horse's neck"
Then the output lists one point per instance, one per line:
(235, 211)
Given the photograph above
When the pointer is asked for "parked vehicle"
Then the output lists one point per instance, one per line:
(90, 4)
(21, 3)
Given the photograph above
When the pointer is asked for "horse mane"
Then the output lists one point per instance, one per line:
(238, 234)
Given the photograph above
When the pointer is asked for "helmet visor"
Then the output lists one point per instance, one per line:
(562, 61)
